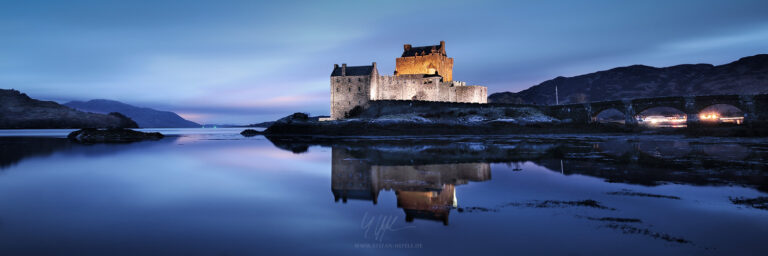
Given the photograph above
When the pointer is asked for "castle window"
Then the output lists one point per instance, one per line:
(358, 88)
(337, 89)
(359, 79)
(349, 89)
(349, 103)
(349, 79)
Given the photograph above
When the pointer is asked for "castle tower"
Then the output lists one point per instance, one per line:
(350, 88)
(430, 60)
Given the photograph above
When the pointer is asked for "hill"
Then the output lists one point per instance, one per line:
(19, 111)
(748, 75)
(145, 117)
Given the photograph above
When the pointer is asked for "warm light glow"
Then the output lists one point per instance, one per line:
(717, 117)
(711, 116)
(664, 121)
(735, 120)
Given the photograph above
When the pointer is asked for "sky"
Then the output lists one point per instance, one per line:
(240, 62)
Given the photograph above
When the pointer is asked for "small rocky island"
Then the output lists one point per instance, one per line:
(250, 132)
(390, 120)
(116, 135)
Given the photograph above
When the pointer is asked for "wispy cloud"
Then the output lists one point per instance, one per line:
(248, 61)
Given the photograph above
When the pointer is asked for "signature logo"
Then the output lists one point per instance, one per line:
(378, 225)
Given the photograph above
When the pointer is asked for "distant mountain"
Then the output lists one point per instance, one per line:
(19, 111)
(262, 124)
(145, 117)
(748, 75)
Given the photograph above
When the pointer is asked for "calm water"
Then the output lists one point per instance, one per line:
(214, 192)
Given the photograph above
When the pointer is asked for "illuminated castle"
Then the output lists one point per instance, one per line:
(422, 73)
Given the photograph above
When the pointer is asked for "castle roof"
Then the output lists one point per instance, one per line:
(353, 70)
(409, 51)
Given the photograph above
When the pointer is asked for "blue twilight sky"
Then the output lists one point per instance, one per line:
(249, 61)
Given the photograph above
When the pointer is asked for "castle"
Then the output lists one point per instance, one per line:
(422, 73)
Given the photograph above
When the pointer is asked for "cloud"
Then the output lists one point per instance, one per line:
(239, 61)
(757, 36)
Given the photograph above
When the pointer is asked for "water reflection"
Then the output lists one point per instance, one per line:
(229, 195)
(15, 149)
(647, 161)
(424, 172)
(424, 191)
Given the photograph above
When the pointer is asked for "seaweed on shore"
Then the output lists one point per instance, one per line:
(757, 202)
(626, 192)
(629, 229)
(540, 204)
(476, 209)
(615, 219)
(561, 204)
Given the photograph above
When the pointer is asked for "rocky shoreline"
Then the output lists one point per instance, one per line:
(301, 124)
(389, 125)
(373, 128)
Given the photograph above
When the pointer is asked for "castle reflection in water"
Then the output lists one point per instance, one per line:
(424, 174)
(423, 191)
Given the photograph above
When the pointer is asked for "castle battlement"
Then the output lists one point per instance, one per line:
(422, 74)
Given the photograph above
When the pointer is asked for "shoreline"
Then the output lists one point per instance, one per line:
(399, 128)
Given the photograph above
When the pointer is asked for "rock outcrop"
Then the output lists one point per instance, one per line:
(250, 133)
(111, 135)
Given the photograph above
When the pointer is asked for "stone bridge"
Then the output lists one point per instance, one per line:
(755, 107)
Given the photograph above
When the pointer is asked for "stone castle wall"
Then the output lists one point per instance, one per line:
(422, 64)
(348, 92)
(471, 94)
(415, 87)
(407, 87)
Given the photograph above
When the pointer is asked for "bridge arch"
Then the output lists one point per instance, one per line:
(661, 116)
(753, 107)
(702, 102)
(641, 105)
(609, 115)
(607, 107)
(662, 107)
(721, 113)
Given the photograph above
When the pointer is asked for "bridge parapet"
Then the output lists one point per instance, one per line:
(677, 102)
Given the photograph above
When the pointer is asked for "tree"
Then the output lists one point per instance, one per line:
(356, 111)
